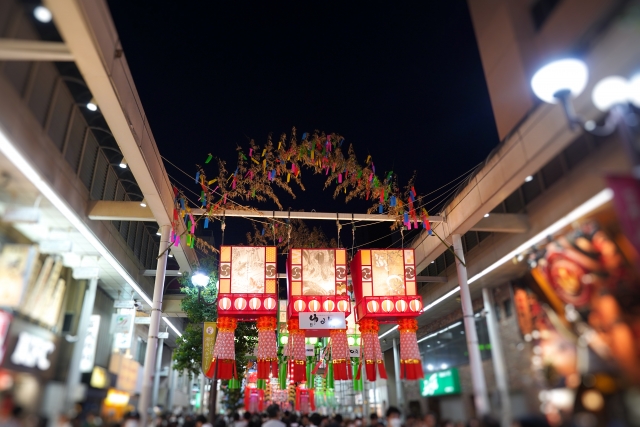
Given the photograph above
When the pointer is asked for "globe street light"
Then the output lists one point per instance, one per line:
(560, 81)
(201, 280)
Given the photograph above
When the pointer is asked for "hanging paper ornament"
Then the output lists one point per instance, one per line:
(197, 177)
(267, 348)
(206, 222)
(372, 354)
(340, 357)
(305, 402)
(410, 361)
(297, 352)
(224, 353)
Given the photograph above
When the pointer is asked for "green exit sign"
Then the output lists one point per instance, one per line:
(440, 383)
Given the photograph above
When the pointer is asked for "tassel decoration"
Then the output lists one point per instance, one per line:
(340, 357)
(371, 352)
(267, 347)
(297, 354)
(410, 361)
(224, 352)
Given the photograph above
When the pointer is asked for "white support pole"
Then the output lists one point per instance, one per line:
(74, 375)
(156, 376)
(497, 355)
(396, 366)
(154, 327)
(480, 395)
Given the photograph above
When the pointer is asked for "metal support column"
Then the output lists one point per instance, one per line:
(74, 375)
(396, 365)
(156, 376)
(497, 355)
(172, 386)
(154, 328)
(480, 395)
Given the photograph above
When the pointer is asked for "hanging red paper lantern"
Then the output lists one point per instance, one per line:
(255, 303)
(410, 361)
(373, 306)
(223, 364)
(270, 303)
(401, 306)
(240, 304)
(372, 354)
(296, 351)
(225, 303)
(267, 347)
(340, 356)
(314, 305)
(343, 305)
(329, 305)
(299, 305)
(415, 305)
(387, 306)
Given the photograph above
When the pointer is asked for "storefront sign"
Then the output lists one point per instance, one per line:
(440, 383)
(124, 303)
(5, 322)
(309, 350)
(322, 320)
(90, 344)
(32, 352)
(354, 350)
(16, 263)
(122, 328)
(208, 342)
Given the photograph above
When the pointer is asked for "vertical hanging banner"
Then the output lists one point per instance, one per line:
(208, 342)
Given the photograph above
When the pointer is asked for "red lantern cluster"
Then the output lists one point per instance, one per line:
(384, 282)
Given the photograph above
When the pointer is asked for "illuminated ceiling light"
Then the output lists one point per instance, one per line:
(430, 367)
(91, 105)
(486, 215)
(634, 90)
(433, 262)
(560, 79)
(42, 14)
(170, 255)
(388, 332)
(609, 92)
(143, 203)
(529, 178)
(200, 279)
(444, 366)
(8, 149)
(158, 233)
(123, 163)
(595, 202)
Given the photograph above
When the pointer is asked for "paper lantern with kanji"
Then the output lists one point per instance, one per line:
(248, 282)
(317, 281)
(384, 284)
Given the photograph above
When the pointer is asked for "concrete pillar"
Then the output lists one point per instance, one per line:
(154, 328)
(172, 385)
(497, 356)
(481, 398)
(74, 376)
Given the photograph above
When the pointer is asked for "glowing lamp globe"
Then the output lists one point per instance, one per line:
(240, 303)
(373, 306)
(609, 92)
(387, 306)
(255, 303)
(299, 305)
(415, 305)
(560, 78)
(270, 303)
(225, 303)
(200, 279)
(329, 305)
(314, 305)
(402, 306)
(343, 305)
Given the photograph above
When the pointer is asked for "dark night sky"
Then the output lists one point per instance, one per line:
(401, 81)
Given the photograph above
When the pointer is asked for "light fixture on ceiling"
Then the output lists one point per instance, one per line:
(529, 178)
(486, 215)
(388, 332)
(91, 105)
(143, 203)
(170, 255)
(123, 163)
(42, 14)
(158, 233)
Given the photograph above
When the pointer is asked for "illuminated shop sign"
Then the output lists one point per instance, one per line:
(32, 352)
(440, 383)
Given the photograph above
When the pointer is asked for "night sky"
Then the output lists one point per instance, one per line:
(401, 81)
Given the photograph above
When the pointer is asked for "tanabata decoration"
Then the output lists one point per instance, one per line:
(267, 349)
(247, 291)
(253, 399)
(384, 283)
(317, 283)
(305, 401)
(371, 351)
(410, 360)
(340, 357)
(296, 352)
(223, 364)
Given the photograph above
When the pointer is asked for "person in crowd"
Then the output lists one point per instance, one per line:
(304, 420)
(393, 417)
(374, 421)
(293, 421)
(315, 419)
(254, 419)
(239, 422)
(431, 420)
(132, 419)
(201, 421)
(447, 423)
(273, 412)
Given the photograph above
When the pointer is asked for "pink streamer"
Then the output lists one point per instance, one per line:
(340, 179)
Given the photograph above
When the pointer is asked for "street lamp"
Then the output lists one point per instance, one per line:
(201, 280)
(562, 80)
